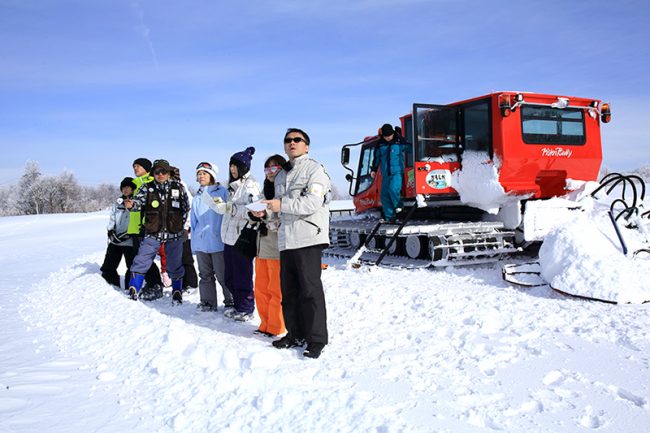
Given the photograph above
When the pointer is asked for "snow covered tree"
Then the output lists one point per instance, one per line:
(643, 172)
(28, 202)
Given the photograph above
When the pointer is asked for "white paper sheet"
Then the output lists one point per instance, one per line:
(257, 206)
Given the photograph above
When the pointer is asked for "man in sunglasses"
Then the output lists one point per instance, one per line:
(301, 201)
(164, 205)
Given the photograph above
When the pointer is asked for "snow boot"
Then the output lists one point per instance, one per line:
(287, 342)
(135, 285)
(313, 350)
(150, 293)
(177, 291)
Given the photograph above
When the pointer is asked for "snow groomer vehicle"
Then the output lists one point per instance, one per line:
(475, 177)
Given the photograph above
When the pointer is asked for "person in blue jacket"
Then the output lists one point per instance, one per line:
(206, 237)
(389, 155)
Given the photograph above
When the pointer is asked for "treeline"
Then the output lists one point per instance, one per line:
(36, 193)
(643, 172)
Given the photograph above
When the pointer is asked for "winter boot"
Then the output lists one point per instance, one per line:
(177, 291)
(152, 293)
(135, 285)
(313, 350)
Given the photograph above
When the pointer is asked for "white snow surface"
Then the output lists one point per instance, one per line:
(445, 350)
(477, 183)
(584, 257)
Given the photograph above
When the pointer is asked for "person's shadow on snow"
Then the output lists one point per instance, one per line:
(213, 320)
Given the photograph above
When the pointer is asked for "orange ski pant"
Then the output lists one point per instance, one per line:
(268, 295)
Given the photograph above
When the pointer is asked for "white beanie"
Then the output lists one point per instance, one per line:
(208, 167)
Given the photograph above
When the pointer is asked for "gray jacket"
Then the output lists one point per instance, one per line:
(304, 213)
(119, 223)
(267, 246)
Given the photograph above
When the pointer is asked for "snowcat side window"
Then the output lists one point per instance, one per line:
(476, 123)
(365, 164)
(547, 125)
(408, 138)
(436, 131)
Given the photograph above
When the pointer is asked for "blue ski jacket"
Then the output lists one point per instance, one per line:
(390, 157)
(205, 221)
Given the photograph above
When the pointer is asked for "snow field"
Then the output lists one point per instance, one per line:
(450, 350)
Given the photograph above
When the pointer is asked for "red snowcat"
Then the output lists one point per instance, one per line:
(471, 172)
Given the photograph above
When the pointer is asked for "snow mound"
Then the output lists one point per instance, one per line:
(585, 258)
(477, 183)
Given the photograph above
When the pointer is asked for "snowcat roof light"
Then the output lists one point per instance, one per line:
(605, 113)
(504, 105)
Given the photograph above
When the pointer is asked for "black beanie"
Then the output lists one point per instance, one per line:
(128, 181)
(387, 130)
(144, 163)
(243, 157)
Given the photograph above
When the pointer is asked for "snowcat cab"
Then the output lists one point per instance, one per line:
(531, 144)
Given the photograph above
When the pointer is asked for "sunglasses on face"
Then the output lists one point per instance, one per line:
(204, 165)
(160, 171)
(272, 169)
(294, 139)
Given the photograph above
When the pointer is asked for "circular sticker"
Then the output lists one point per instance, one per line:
(155, 203)
(439, 179)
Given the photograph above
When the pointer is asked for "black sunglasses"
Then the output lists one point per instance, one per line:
(160, 171)
(204, 165)
(294, 139)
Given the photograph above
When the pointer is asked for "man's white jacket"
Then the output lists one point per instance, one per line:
(304, 212)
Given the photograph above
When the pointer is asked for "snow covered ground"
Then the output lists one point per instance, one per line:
(451, 350)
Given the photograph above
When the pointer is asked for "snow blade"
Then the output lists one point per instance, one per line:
(523, 274)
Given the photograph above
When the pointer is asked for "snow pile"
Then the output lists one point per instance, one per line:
(478, 185)
(584, 257)
(544, 216)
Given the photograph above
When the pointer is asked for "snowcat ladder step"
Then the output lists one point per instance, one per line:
(395, 235)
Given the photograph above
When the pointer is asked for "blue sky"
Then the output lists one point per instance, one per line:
(91, 85)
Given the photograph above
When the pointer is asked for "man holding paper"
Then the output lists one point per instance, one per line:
(302, 201)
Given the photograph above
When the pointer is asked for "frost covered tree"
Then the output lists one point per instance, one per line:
(643, 172)
(37, 194)
(27, 202)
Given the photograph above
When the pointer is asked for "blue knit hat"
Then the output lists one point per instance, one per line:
(244, 158)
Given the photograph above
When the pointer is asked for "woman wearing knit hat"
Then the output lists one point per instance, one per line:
(242, 190)
(206, 236)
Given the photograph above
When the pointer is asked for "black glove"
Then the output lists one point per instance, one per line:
(111, 234)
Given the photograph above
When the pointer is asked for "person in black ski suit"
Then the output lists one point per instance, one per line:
(165, 208)
(120, 244)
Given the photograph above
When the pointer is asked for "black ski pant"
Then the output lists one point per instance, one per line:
(303, 300)
(190, 278)
(112, 259)
(152, 277)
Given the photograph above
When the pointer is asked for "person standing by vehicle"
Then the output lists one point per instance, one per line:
(206, 236)
(242, 190)
(165, 206)
(141, 169)
(119, 242)
(301, 198)
(268, 294)
(389, 155)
